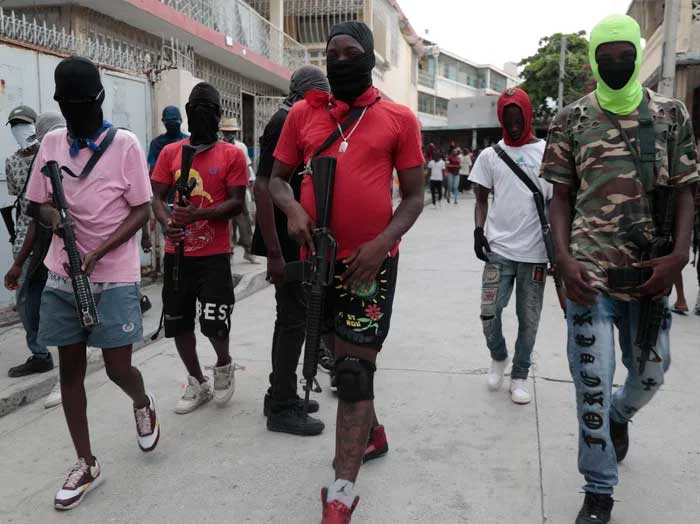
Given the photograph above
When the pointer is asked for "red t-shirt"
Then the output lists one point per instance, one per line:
(453, 165)
(215, 170)
(387, 138)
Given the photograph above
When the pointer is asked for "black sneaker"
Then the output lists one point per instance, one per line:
(294, 421)
(145, 304)
(326, 359)
(619, 433)
(596, 509)
(334, 383)
(313, 405)
(31, 366)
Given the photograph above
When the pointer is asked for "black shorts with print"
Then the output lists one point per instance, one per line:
(362, 319)
(206, 289)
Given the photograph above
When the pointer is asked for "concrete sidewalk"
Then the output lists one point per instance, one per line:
(459, 454)
(16, 392)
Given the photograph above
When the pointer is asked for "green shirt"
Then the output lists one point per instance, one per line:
(585, 150)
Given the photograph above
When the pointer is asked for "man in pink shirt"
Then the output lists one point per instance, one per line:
(108, 205)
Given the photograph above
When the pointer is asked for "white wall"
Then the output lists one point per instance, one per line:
(474, 112)
(172, 89)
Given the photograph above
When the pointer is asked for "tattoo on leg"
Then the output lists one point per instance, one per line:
(590, 380)
(591, 441)
(587, 358)
(593, 398)
(592, 420)
(352, 430)
(584, 341)
(583, 319)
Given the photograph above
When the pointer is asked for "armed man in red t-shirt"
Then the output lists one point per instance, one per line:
(383, 136)
(217, 179)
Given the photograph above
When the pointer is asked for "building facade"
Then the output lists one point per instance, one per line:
(397, 46)
(444, 76)
(650, 15)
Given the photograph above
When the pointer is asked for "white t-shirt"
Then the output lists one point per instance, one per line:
(251, 173)
(466, 165)
(437, 169)
(512, 225)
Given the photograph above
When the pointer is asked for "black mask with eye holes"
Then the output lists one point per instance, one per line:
(617, 74)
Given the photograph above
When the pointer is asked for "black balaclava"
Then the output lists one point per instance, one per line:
(204, 114)
(79, 93)
(350, 78)
(172, 120)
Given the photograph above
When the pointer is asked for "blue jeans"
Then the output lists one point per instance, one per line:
(591, 350)
(500, 277)
(28, 297)
(453, 185)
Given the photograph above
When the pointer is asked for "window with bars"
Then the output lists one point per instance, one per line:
(696, 10)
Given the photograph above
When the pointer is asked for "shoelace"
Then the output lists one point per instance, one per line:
(143, 421)
(218, 377)
(76, 474)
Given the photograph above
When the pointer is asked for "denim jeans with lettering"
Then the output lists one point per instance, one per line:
(500, 277)
(591, 350)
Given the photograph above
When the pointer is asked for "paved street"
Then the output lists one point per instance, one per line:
(459, 454)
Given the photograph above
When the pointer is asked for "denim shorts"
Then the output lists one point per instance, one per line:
(118, 309)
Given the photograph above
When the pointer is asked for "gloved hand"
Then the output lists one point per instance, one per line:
(481, 245)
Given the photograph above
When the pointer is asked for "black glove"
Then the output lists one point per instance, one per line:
(481, 245)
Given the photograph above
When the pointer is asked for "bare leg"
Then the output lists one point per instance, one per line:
(123, 374)
(73, 363)
(681, 303)
(221, 346)
(187, 348)
(353, 422)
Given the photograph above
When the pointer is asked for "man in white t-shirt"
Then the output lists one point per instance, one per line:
(508, 237)
(437, 168)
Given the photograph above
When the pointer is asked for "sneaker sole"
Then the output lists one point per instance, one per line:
(186, 411)
(298, 433)
(155, 442)
(221, 402)
(92, 485)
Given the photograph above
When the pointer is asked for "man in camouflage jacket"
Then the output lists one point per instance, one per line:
(599, 201)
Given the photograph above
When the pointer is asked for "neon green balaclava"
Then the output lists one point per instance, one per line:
(617, 28)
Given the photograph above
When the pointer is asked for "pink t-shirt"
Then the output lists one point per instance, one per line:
(98, 203)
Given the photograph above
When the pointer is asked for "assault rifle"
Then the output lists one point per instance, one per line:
(84, 299)
(184, 187)
(318, 271)
(652, 312)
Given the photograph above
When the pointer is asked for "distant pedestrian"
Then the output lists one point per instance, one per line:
(454, 166)
(437, 170)
(243, 222)
(604, 226)
(172, 121)
(465, 167)
(508, 238)
(108, 206)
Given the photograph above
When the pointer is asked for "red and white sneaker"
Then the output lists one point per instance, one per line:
(336, 512)
(81, 479)
(377, 445)
(147, 425)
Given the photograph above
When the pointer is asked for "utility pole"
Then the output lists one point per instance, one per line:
(562, 73)
(672, 17)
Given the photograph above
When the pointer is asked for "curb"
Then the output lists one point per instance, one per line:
(250, 285)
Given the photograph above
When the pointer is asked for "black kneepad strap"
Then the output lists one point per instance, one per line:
(355, 379)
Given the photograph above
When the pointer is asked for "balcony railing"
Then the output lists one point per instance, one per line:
(426, 79)
(245, 25)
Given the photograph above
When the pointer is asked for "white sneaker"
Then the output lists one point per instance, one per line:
(224, 383)
(81, 479)
(518, 391)
(147, 426)
(251, 258)
(195, 395)
(54, 398)
(495, 378)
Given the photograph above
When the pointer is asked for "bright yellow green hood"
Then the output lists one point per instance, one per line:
(617, 28)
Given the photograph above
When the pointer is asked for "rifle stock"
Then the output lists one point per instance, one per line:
(84, 299)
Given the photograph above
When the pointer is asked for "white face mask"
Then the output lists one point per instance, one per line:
(25, 135)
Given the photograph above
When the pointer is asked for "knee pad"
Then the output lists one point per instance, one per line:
(355, 379)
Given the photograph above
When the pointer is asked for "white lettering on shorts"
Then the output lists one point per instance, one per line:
(223, 312)
(209, 311)
(128, 327)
